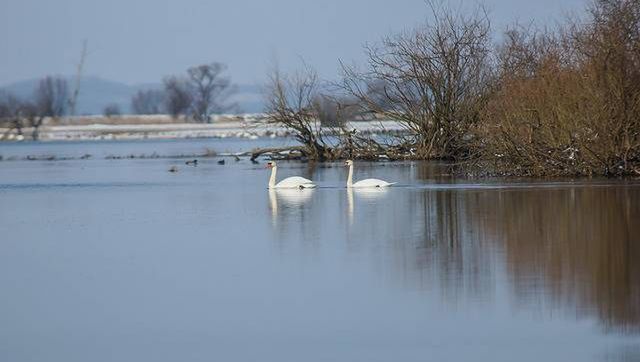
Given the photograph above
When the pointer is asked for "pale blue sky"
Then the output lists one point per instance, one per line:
(140, 41)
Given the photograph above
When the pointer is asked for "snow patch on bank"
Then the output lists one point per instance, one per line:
(250, 126)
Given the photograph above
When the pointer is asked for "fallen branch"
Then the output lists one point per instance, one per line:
(281, 153)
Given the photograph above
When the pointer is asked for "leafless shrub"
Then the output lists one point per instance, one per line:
(568, 100)
(148, 101)
(434, 80)
(609, 53)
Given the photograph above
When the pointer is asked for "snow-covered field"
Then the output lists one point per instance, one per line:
(241, 126)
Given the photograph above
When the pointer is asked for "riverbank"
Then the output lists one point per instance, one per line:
(250, 126)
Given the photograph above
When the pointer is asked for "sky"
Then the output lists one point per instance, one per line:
(140, 41)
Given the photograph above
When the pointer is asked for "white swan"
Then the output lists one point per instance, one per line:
(370, 182)
(295, 182)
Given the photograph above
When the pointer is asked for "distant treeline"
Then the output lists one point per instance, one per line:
(202, 92)
(559, 101)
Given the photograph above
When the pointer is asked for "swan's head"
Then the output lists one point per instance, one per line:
(271, 164)
(348, 163)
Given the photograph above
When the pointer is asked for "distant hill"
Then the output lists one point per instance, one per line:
(96, 93)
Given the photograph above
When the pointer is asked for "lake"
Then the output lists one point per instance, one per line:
(121, 260)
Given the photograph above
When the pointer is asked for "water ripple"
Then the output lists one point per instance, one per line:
(75, 185)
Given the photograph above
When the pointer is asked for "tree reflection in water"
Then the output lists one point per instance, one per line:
(564, 246)
(575, 248)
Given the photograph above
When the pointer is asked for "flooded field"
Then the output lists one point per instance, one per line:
(120, 260)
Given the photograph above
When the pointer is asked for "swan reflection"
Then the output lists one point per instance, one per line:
(368, 194)
(282, 199)
(371, 194)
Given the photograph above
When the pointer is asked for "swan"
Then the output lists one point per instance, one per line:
(370, 182)
(294, 182)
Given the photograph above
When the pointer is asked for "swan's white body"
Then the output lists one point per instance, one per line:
(366, 183)
(294, 182)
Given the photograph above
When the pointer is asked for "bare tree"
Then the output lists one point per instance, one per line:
(178, 97)
(148, 101)
(10, 112)
(434, 80)
(210, 90)
(317, 114)
(52, 96)
(51, 100)
(292, 101)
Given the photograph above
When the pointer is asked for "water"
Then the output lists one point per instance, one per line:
(104, 149)
(120, 260)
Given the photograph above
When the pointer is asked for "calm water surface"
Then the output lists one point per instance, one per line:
(120, 260)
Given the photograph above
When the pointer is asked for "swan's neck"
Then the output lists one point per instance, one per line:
(272, 179)
(350, 177)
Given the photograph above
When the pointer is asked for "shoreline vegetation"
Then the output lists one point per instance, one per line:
(559, 101)
(562, 101)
